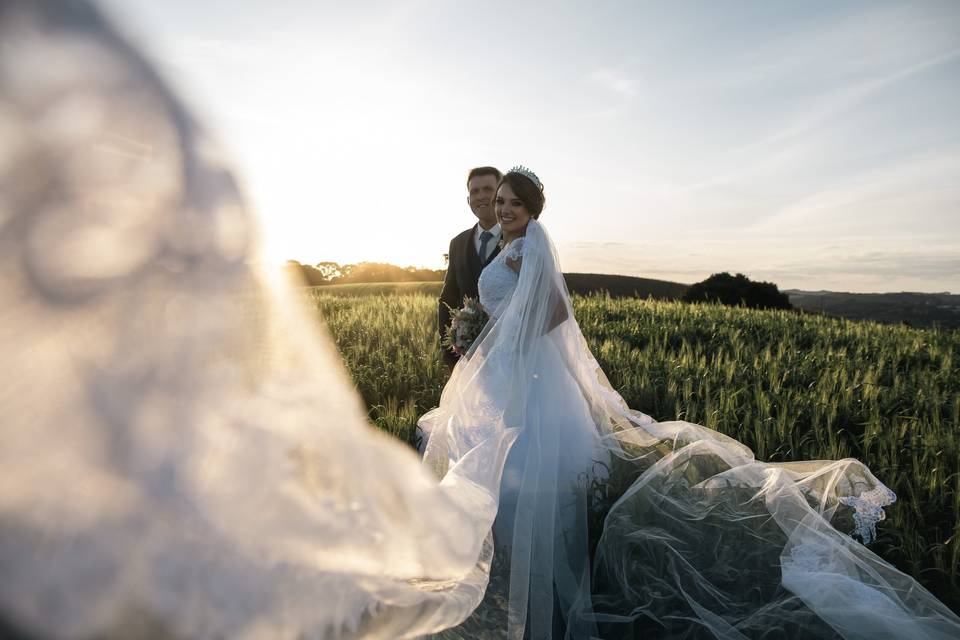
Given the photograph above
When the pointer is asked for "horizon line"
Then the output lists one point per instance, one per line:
(624, 275)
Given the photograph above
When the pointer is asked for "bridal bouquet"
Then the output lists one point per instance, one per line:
(465, 326)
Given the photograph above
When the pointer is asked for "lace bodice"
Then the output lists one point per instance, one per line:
(498, 280)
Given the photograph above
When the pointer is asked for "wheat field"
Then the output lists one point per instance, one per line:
(789, 386)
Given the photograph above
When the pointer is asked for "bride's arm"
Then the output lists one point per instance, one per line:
(558, 314)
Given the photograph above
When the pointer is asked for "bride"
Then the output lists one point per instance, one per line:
(184, 455)
(699, 539)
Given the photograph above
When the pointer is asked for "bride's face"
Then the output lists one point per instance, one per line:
(512, 215)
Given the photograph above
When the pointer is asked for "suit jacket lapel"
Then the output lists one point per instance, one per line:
(493, 254)
(473, 260)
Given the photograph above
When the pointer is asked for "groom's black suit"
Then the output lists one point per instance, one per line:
(463, 271)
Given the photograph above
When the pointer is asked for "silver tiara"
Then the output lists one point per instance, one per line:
(528, 173)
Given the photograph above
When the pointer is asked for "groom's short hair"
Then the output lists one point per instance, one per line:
(483, 171)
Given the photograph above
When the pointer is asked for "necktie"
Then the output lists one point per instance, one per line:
(484, 239)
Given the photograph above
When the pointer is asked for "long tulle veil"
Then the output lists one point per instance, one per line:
(183, 454)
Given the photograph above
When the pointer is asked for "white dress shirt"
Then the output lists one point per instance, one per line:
(491, 243)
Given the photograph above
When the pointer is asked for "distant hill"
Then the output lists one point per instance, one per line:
(624, 286)
(915, 309)
(579, 283)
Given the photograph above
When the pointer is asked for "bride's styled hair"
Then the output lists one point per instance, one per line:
(529, 193)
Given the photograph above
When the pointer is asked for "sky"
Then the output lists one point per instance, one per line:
(812, 144)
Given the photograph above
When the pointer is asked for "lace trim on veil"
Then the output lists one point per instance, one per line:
(514, 250)
(868, 511)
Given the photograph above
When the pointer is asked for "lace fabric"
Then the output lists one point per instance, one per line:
(868, 511)
(498, 280)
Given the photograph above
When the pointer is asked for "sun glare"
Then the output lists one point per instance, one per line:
(354, 129)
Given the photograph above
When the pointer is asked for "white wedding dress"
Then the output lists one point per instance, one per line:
(541, 526)
(184, 455)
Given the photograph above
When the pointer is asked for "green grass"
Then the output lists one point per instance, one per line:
(790, 386)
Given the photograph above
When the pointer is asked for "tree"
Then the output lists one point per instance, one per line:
(738, 290)
(382, 272)
(324, 273)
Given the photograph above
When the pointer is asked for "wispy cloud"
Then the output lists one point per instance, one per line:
(937, 266)
(848, 97)
(795, 142)
(880, 199)
(615, 81)
(795, 97)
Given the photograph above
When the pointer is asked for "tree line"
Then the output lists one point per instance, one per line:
(324, 273)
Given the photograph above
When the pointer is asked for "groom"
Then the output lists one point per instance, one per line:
(471, 250)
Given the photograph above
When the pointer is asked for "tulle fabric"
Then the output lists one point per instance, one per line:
(182, 452)
(698, 539)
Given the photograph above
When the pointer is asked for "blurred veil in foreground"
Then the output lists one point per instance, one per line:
(182, 453)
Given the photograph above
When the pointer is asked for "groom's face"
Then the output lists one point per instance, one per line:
(481, 190)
